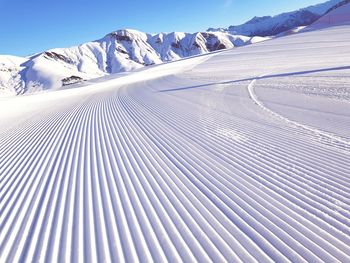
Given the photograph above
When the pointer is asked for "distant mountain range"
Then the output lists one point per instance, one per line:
(126, 50)
(274, 25)
(119, 51)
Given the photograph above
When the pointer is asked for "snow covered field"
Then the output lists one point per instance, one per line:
(241, 155)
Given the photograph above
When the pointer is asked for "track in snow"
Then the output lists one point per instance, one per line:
(184, 167)
(332, 138)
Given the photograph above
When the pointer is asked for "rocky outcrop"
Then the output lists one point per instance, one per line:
(71, 80)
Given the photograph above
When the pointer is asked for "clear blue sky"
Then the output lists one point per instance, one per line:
(31, 26)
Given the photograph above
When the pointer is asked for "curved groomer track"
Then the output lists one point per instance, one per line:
(180, 163)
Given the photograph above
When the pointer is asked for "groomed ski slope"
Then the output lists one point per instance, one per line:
(241, 155)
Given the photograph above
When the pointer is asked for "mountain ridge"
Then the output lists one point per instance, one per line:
(119, 51)
(274, 25)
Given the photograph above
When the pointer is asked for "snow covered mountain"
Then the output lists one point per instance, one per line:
(119, 51)
(126, 50)
(273, 25)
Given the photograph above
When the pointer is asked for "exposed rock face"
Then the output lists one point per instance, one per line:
(176, 45)
(71, 80)
(121, 38)
(214, 43)
(57, 56)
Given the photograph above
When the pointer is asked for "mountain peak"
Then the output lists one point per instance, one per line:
(127, 34)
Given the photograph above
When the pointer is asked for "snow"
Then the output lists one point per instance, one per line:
(239, 155)
(10, 79)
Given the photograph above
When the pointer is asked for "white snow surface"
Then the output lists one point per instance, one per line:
(11, 82)
(241, 155)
